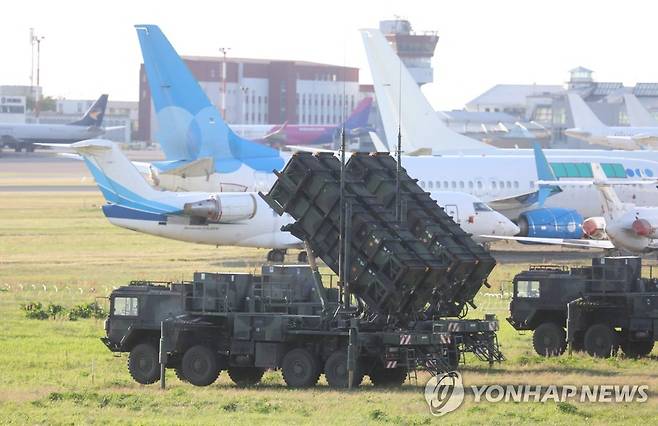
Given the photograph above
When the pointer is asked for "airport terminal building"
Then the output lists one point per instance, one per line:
(546, 107)
(261, 91)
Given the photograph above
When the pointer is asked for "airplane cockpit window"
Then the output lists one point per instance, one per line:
(479, 206)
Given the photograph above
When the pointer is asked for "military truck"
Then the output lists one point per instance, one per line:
(407, 282)
(597, 308)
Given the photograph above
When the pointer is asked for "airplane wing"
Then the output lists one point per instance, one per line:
(587, 244)
(64, 146)
(514, 202)
(310, 149)
(107, 129)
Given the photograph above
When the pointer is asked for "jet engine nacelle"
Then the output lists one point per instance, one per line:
(551, 223)
(594, 228)
(642, 228)
(223, 208)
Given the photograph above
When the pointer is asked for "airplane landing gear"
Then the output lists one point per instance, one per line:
(302, 257)
(276, 255)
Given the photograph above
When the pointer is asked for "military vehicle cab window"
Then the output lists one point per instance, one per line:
(527, 289)
(125, 306)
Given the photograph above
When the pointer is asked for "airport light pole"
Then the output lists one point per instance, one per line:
(38, 40)
(245, 97)
(32, 62)
(224, 51)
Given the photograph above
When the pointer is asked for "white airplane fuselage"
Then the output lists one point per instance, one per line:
(492, 176)
(47, 133)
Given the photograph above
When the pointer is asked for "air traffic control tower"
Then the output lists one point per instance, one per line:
(416, 49)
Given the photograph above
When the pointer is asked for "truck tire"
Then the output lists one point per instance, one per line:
(549, 339)
(388, 377)
(300, 368)
(245, 376)
(143, 364)
(601, 341)
(199, 366)
(637, 349)
(335, 371)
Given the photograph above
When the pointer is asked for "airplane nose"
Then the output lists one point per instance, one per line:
(509, 228)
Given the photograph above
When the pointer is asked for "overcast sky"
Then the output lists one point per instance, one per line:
(91, 47)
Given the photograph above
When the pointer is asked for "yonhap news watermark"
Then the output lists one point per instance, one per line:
(445, 393)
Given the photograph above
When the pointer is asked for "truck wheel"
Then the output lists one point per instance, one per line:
(245, 376)
(143, 364)
(601, 341)
(300, 368)
(199, 366)
(637, 349)
(388, 377)
(549, 339)
(335, 371)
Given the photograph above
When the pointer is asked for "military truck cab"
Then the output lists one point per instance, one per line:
(595, 308)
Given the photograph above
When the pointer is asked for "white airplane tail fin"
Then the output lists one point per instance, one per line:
(611, 202)
(118, 179)
(421, 126)
(583, 116)
(638, 114)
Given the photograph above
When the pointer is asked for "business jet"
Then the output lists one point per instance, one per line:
(240, 219)
(590, 129)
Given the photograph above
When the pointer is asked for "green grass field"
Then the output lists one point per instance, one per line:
(57, 247)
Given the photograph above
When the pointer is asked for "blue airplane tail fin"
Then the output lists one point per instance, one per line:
(545, 173)
(190, 126)
(94, 115)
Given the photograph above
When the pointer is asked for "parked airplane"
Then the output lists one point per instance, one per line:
(230, 218)
(194, 136)
(26, 135)
(450, 160)
(590, 129)
(308, 134)
(623, 226)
